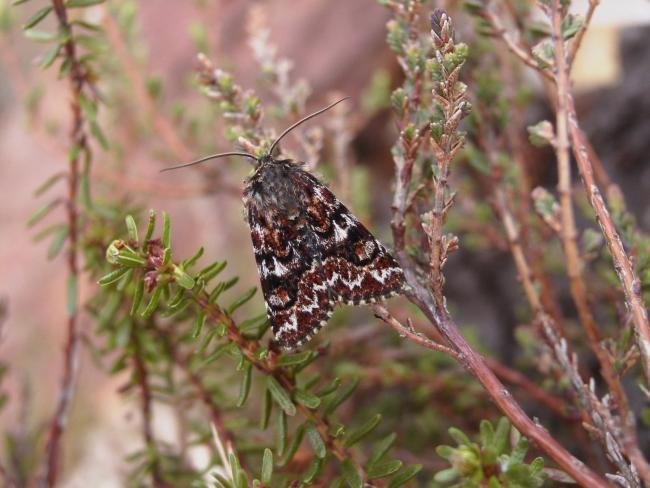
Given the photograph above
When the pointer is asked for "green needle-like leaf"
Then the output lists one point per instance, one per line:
(358, 434)
(405, 475)
(351, 475)
(267, 467)
(280, 396)
(315, 440)
(245, 385)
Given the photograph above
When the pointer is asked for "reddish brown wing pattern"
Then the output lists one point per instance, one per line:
(311, 252)
(358, 268)
(287, 254)
(295, 292)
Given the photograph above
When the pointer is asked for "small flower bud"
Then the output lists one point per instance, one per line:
(113, 250)
(442, 29)
(150, 280)
(155, 253)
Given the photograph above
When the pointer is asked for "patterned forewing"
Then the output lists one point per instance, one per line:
(357, 267)
(294, 287)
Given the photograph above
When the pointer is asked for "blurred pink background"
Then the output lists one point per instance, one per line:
(324, 38)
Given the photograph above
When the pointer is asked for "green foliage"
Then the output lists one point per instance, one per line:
(498, 459)
(203, 335)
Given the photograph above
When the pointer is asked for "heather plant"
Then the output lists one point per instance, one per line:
(361, 405)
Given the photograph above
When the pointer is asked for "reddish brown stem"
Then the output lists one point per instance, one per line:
(382, 313)
(142, 374)
(568, 232)
(504, 372)
(567, 123)
(268, 367)
(433, 306)
(515, 378)
(622, 263)
(577, 39)
(58, 423)
(477, 366)
(216, 417)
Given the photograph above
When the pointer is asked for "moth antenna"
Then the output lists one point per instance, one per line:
(212, 156)
(305, 119)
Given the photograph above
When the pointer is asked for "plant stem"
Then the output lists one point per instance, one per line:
(568, 233)
(577, 39)
(523, 53)
(58, 423)
(142, 374)
(622, 264)
(409, 332)
(477, 366)
(432, 304)
(268, 367)
(216, 416)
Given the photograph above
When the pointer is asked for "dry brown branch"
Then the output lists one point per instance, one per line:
(622, 263)
(568, 233)
(407, 331)
(521, 262)
(433, 306)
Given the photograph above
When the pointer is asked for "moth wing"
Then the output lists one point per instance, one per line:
(294, 285)
(358, 268)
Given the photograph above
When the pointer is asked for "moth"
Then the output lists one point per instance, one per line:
(311, 252)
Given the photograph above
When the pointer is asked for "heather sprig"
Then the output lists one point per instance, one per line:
(188, 318)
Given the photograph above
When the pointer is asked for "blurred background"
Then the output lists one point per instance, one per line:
(338, 47)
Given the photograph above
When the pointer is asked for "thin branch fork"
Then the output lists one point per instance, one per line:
(523, 53)
(622, 263)
(510, 375)
(568, 234)
(409, 332)
(577, 39)
(478, 367)
(434, 308)
(502, 34)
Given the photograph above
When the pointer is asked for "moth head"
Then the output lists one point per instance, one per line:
(268, 157)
